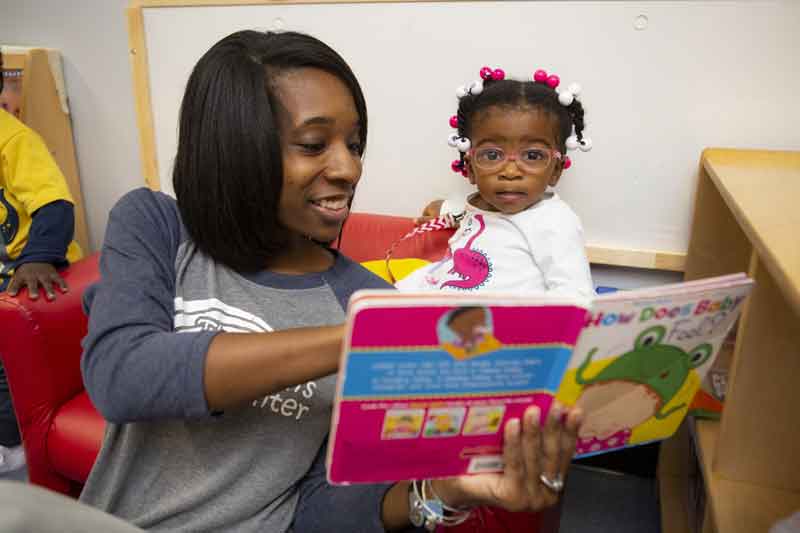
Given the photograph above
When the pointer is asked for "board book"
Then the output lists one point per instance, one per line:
(427, 381)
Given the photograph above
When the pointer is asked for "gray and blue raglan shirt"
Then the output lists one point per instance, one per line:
(166, 462)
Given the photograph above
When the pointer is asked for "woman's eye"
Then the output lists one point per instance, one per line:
(311, 147)
(355, 147)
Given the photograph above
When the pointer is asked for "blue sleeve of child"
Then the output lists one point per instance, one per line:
(353, 508)
(52, 229)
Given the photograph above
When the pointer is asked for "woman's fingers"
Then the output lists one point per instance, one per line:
(550, 458)
(532, 443)
(569, 438)
(514, 463)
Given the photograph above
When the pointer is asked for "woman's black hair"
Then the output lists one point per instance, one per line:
(228, 172)
(1, 70)
(519, 95)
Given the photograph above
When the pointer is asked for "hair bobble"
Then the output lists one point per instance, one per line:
(473, 88)
(497, 74)
(461, 143)
(573, 143)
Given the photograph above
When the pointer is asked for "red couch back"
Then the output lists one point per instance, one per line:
(367, 237)
(42, 362)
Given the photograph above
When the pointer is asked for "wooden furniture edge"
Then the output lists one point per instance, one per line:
(767, 256)
(705, 437)
(137, 48)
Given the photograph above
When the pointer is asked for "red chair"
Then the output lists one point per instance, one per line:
(62, 431)
(41, 353)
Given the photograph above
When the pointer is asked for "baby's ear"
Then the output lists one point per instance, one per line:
(553, 181)
(470, 175)
(557, 170)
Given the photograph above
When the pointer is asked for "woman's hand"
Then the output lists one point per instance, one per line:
(529, 452)
(34, 275)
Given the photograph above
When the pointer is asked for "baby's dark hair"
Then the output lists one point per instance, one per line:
(460, 311)
(514, 94)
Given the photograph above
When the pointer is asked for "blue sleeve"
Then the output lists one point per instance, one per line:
(52, 229)
(135, 367)
(323, 508)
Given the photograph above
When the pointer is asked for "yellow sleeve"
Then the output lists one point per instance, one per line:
(31, 174)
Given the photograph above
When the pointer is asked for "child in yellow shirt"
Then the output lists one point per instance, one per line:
(37, 223)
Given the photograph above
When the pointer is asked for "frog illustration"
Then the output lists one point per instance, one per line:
(638, 385)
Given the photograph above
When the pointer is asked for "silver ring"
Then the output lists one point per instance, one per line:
(556, 484)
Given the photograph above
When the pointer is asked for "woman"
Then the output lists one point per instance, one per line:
(215, 332)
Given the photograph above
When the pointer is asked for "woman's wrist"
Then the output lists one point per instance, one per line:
(450, 493)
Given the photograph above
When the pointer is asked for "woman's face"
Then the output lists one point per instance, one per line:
(321, 145)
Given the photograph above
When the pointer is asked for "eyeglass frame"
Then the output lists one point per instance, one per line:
(555, 155)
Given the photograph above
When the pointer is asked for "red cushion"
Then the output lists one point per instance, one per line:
(74, 438)
(367, 237)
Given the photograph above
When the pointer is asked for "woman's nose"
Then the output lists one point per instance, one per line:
(344, 164)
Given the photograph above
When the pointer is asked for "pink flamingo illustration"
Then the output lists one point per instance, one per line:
(471, 266)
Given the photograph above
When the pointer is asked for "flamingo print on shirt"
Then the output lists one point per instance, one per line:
(472, 266)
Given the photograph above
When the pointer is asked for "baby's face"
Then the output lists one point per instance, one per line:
(511, 188)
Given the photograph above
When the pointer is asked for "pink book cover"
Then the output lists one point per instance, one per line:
(426, 383)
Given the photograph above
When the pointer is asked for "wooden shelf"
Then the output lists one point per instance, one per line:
(738, 506)
(762, 188)
(746, 220)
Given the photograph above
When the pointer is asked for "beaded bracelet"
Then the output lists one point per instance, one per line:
(427, 509)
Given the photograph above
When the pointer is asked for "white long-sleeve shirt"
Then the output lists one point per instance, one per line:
(538, 250)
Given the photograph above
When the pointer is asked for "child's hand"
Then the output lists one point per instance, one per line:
(32, 275)
(430, 212)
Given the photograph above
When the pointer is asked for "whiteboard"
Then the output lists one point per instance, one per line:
(661, 81)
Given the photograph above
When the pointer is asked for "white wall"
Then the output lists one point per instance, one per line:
(92, 36)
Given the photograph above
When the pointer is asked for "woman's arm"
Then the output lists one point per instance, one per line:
(323, 508)
(137, 368)
(243, 366)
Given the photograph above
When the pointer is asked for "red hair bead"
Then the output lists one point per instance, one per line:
(540, 76)
(553, 81)
(464, 172)
(567, 162)
(454, 121)
(498, 74)
(486, 73)
(456, 165)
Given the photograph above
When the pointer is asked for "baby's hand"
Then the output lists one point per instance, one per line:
(430, 212)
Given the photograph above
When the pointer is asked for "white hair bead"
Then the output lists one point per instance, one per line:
(585, 144)
(476, 87)
(463, 144)
(565, 98)
(574, 88)
(452, 139)
(461, 92)
(572, 142)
